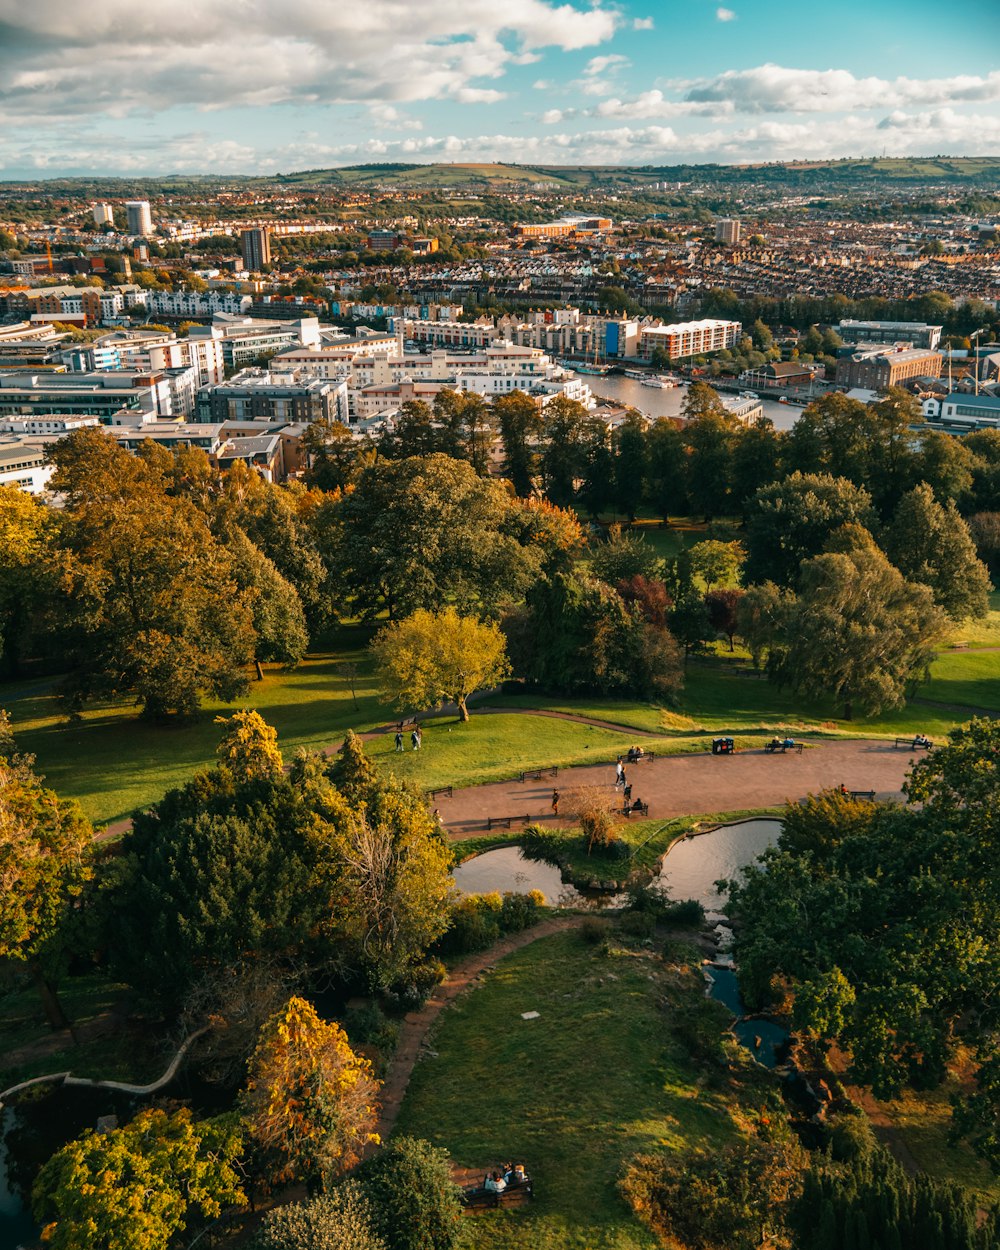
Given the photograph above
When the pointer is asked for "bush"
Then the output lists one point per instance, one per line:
(370, 1026)
(700, 1029)
(416, 1204)
(687, 913)
(637, 924)
(479, 920)
(593, 930)
(851, 1138)
(341, 1220)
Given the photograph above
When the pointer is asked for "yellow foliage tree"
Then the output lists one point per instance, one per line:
(249, 747)
(433, 656)
(311, 1103)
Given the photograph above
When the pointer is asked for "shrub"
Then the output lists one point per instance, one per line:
(479, 920)
(593, 930)
(341, 1220)
(416, 1204)
(687, 913)
(637, 924)
(368, 1025)
(700, 1028)
(851, 1138)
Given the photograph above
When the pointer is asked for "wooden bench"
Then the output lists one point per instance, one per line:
(863, 794)
(772, 748)
(912, 744)
(637, 759)
(539, 774)
(506, 821)
(443, 792)
(642, 809)
(477, 1198)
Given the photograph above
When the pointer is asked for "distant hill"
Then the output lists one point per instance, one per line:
(806, 174)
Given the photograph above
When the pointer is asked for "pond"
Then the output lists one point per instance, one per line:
(16, 1224)
(690, 869)
(763, 1038)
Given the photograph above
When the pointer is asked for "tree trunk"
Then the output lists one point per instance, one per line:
(848, 711)
(260, 671)
(463, 711)
(54, 1013)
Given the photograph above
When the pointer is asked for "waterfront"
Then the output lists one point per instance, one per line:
(667, 403)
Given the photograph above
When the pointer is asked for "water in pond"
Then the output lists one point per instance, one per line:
(506, 869)
(16, 1225)
(723, 988)
(693, 866)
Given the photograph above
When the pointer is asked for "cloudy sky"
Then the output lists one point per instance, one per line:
(122, 87)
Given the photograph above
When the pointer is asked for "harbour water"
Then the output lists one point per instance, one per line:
(667, 403)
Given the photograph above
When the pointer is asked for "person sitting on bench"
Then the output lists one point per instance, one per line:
(637, 806)
(921, 741)
(774, 744)
(634, 753)
(788, 742)
(495, 1183)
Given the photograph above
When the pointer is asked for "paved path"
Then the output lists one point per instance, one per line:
(696, 784)
(417, 1024)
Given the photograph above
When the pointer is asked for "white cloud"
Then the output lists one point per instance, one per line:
(601, 64)
(213, 54)
(778, 89)
(552, 117)
(643, 23)
(725, 15)
(387, 117)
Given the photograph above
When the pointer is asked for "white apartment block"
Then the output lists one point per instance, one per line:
(24, 466)
(689, 338)
(196, 303)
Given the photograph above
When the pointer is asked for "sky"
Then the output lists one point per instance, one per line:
(266, 86)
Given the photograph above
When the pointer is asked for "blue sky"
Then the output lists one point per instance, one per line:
(259, 86)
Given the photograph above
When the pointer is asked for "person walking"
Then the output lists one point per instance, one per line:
(621, 780)
(415, 738)
(619, 771)
(399, 740)
(555, 802)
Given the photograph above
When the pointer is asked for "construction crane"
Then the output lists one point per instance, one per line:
(48, 253)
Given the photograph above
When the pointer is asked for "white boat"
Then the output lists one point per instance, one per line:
(657, 382)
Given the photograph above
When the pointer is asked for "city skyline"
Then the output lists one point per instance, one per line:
(241, 87)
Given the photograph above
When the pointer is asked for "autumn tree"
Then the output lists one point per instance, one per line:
(27, 529)
(140, 1186)
(310, 1103)
(279, 623)
(249, 747)
(724, 612)
(431, 657)
(44, 865)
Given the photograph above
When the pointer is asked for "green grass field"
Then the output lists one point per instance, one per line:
(572, 1094)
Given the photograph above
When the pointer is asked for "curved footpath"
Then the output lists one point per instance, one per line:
(694, 784)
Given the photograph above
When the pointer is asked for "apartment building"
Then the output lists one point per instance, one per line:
(259, 395)
(727, 230)
(24, 466)
(197, 303)
(255, 246)
(115, 397)
(139, 218)
(245, 339)
(689, 338)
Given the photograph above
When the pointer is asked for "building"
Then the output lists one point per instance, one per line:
(255, 246)
(877, 368)
(780, 374)
(196, 303)
(119, 397)
(565, 227)
(688, 338)
(384, 241)
(140, 220)
(245, 340)
(104, 215)
(745, 408)
(24, 466)
(913, 333)
(258, 395)
(727, 230)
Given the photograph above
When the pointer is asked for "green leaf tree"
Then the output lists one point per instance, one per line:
(339, 1220)
(431, 657)
(140, 1186)
(416, 1203)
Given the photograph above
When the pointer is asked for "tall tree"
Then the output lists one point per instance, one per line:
(930, 543)
(710, 439)
(432, 657)
(629, 446)
(279, 623)
(336, 454)
(521, 426)
(857, 631)
(27, 530)
(563, 460)
(790, 521)
(311, 1103)
(140, 1186)
(44, 865)
(666, 480)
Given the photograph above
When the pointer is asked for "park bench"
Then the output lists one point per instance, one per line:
(863, 794)
(772, 748)
(443, 792)
(506, 821)
(912, 744)
(642, 809)
(478, 1198)
(539, 774)
(638, 759)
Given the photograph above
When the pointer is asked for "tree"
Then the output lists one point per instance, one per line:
(249, 747)
(431, 657)
(622, 556)
(279, 622)
(336, 456)
(857, 631)
(340, 1220)
(710, 438)
(416, 1203)
(563, 460)
(716, 561)
(521, 426)
(666, 481)
(790, 521)
(984, 530)
(755, 461)
(44, 866)
(630, 456)
(689, 621)
(416, 532)
(140, 1186)
(724, 612)
(150, 604)
(649, 594)
(310, 1102)
(931, 544)
(27, 530)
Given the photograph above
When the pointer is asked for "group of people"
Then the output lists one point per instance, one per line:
(777, 743)
(416, 737)
(509, 1175)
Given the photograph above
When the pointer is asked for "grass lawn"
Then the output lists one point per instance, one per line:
(969, 678)
(112, 762)
(572, 1094)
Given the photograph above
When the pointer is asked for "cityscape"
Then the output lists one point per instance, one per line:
(499, 654)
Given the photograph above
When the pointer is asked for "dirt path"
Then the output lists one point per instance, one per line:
(694, 784)
(417, 1024)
